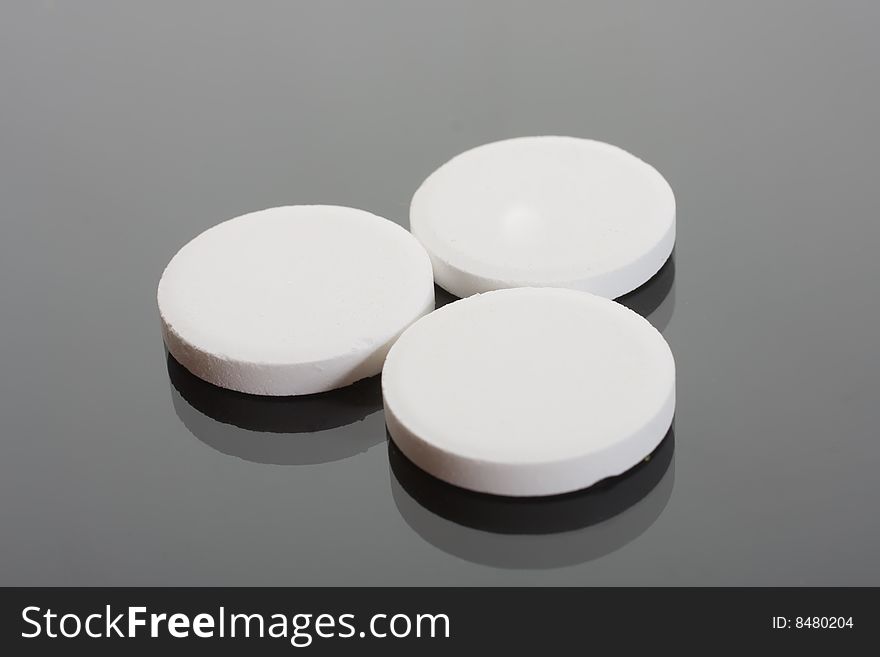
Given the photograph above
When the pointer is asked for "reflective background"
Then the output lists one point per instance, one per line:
(126, 130)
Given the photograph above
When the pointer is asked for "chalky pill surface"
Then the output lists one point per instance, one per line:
(545, 211)
(293, 300)
(529, 391)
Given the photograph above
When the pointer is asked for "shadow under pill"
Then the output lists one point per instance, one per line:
(279, 430)
(442, 297)
(654, 300)
(534, 532)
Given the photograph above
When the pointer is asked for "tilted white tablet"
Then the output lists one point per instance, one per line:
(530, 391)
(545, 211)
(293, 300)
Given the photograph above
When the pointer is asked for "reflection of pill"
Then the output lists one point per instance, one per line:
(531, 391)
(293, 300)
(545, 211)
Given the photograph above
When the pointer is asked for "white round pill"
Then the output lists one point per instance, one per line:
(293, 300)
(545, 211)
(530, 391)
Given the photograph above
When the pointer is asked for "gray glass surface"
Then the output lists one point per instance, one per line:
(128, 128)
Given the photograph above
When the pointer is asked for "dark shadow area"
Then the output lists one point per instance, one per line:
(279, 430)
(540, 532)
(442, 297)
(655, 300)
